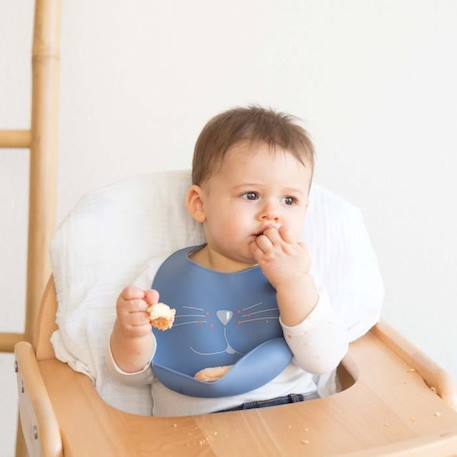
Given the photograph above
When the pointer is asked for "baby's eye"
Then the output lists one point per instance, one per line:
(289, 200)
(250, 195)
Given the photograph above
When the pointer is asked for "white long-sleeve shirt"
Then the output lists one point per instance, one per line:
(318, 344)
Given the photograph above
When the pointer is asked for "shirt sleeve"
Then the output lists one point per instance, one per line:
(320, 341)
(138, 378)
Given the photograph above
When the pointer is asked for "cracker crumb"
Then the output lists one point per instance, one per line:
(412, 370)
(211, 374)
(304, 441)
(437, 413)
(175, 425)
(306, 429)
(161, 316)
(290, 427)
(215, 433)
(433, 389)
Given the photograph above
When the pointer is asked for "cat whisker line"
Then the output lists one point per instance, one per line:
(262, 311)
(193, 307)
(190, 315)
(189, 323)
(252, 306)
(259, 319)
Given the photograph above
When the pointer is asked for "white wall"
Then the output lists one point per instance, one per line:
(374, 82)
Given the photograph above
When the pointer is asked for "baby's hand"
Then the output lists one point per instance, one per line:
(282, 259)
(212, 374)
(131, 308)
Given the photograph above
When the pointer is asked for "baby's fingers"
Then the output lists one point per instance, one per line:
(138, 330)
(131, 293)
(287, 235)
(135, 319)
(134, 306)
(151, 297)
(255, 251)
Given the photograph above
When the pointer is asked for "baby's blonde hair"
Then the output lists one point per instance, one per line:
(253, 124)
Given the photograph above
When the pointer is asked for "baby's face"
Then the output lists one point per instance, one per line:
(254, 189)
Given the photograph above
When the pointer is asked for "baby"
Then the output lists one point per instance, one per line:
(251, 175)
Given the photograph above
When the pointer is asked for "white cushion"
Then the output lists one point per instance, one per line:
(113, 233)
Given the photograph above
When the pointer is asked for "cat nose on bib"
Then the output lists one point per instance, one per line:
(225, 316)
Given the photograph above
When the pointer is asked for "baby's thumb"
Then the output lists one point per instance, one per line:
(151, 297)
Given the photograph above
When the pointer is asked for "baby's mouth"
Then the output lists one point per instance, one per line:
(255, 235)
(260, 232)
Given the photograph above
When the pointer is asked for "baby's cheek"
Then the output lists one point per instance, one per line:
(234, 225)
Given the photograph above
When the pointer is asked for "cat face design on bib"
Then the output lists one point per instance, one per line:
(220, 317)
(224, 326)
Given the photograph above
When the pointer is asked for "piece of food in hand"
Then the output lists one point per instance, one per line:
(212, 374)
(161, 316)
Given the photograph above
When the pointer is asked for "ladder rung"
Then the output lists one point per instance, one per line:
(15, 138)
(8, 341)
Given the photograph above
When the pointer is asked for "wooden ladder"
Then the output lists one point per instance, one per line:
(42, 140)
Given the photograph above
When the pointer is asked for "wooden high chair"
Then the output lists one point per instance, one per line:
(394, 400)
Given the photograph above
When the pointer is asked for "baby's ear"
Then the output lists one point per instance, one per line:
(194, 203)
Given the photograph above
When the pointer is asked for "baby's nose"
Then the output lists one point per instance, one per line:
(270, 212)
(270, 217)
(225, 316)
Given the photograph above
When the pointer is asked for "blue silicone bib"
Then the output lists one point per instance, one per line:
(221, 319)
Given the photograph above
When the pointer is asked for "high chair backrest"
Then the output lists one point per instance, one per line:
(45, 324)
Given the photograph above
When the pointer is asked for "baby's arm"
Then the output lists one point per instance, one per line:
(132, 341)
(320, 341)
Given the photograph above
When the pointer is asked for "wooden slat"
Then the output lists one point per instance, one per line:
(15, 138)
(8, 340)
